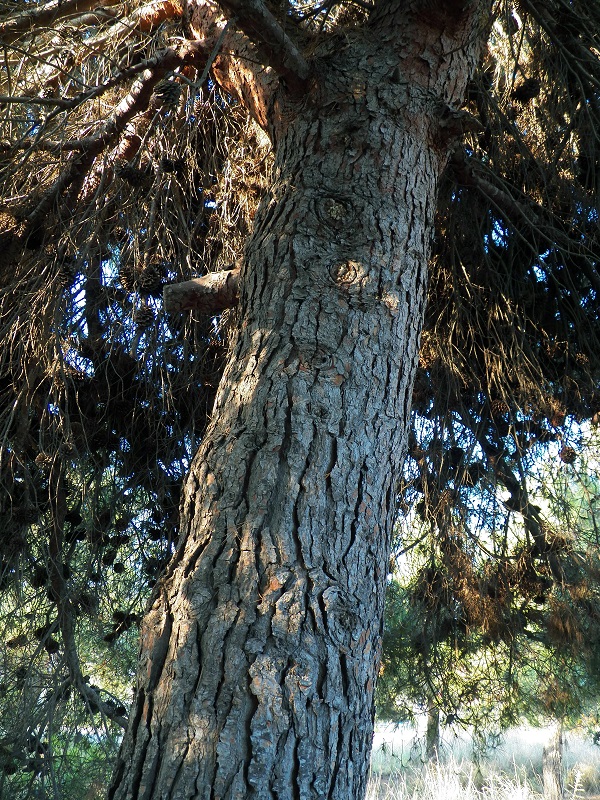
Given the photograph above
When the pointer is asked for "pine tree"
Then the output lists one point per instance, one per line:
(317, 161)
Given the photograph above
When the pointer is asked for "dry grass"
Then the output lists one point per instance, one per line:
(450, 781)
(511, 771)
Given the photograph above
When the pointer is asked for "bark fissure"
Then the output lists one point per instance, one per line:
(180, 762)
(339, 760)
(159, 652)
(140, 756)
(150, 771)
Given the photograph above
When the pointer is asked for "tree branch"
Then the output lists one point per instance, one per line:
(145, 19)
(66, 611)
(48, 14)
(210, 294)
(90, 94)
(135, 102)
(465, 173)
(272, 42)
(238, 69)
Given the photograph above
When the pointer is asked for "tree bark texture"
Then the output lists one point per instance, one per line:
(260, 651)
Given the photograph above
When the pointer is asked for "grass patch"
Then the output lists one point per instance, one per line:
(449, 781)
(510, 771)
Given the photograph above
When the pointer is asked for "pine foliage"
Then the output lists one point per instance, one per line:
(509, 378)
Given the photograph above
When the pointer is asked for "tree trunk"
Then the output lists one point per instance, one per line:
(260, 651)
(432, 733)
(552, 766)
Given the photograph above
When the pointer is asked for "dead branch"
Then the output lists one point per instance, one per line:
(134, 103)
(137, 100)
(90, 94)
(209, 294)
(238, 69)
(144, 19)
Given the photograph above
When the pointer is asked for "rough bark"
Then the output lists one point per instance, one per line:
(254, 18)
(261, 648)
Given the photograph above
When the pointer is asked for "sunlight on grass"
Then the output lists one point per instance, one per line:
(510, 771)
(449, 781)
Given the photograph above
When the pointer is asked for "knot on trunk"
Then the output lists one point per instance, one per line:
(335, 212)
(354, 283)
(347, 273)
(341, 616)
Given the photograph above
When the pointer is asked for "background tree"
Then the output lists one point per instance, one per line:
(124, 169)
(483, 638)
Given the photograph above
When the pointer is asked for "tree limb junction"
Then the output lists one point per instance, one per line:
(273, 43)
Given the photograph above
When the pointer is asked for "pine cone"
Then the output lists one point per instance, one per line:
(151, 278)
(172, 165)
(133, 176)
(52, 646)
(19, 641)
(9, 224)
(166, 94)
(567, 455)
(42, 631)
(127, 277)
(65, 276)
(25, 515)
(526, 91)
(103, 440)
(144, 316)
(498, 408)
(75, 375)
(474, 473)
(120, 235)
(43, 460)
